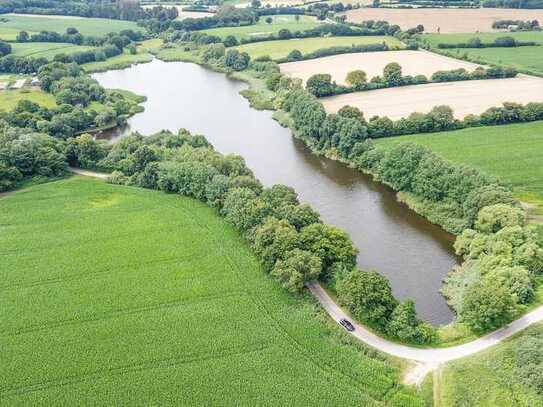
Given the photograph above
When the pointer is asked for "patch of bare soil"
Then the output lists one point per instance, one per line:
(412, 62)
(466, 97)
(448, 20)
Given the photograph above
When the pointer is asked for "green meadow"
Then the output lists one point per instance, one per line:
(10, 98)
(118, 295)
(45, 49)
(263, 29)
(281, 48)
(513, 153)
(435, 39)
(493, 377)
(86, 26)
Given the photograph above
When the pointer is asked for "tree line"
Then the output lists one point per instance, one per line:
(322, 85)
(108, 46)
(500, 42)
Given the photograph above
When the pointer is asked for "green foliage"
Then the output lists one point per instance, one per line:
(320, 85)
(168, 263)
(493, 218)
(330, 244)
(296, 269)
(272, 241)
(368, 296)
(487, 305)
(392, 74)
(405, 325)
(236, 60)
(356, 78)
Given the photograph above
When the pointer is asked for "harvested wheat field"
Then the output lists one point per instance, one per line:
(448, 20)
(464, 97)
(412, 62)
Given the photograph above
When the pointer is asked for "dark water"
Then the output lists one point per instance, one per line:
(392, 240)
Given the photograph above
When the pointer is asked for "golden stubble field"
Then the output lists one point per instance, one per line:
(412, 62)
(448, 20)
(466, 97)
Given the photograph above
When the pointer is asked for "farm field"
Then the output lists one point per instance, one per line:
(448, 20)
(46, 49)
(513, 153)
(525, 59)
(435, 39)
(281, 48)
(412, 62)
(140, 297)
(86, 26)
(263, 29)
(465, 97)
(10, 98)
(182, 14)
(492, 378)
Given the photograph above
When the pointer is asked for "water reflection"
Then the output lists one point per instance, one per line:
(393, 240)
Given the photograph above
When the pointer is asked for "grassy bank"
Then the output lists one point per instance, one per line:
(491, 378)
(99, 327)
(281, 48)
(10, 98)
(513, 153)
(435, 39)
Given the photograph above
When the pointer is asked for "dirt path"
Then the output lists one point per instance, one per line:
(87, 173)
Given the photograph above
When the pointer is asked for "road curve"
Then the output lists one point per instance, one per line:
(429, 357)
(434, 356)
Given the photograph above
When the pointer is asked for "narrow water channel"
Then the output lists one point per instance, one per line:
(392, 239)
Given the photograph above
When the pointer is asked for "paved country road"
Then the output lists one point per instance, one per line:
(428, 355)
(428, 358)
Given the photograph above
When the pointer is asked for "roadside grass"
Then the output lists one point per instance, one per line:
(86, 26)
(46, 49)
(120, 295)
(281, 48)
(263, 29)
(525, 59)
(10, 98)
(435, 39)
(512, 153)
(488, 378)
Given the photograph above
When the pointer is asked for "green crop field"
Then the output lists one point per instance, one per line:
(86, 26)
(490, 378)
(123, 296)
(435, 39)
(46, 49)
(281, 48)
(513, 153)
(263, 29)
(10, 98)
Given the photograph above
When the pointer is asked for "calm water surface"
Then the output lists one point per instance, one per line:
(392, 239)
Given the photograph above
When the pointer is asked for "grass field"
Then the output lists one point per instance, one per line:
(46, 49)
(513, 153)
(10, 98)
(86, 26)
(435, 39)
(281, 48)
(263, 29)
(526, 59)
(123, 296)
(488, 379)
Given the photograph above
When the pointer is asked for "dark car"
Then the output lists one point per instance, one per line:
(346, 324)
